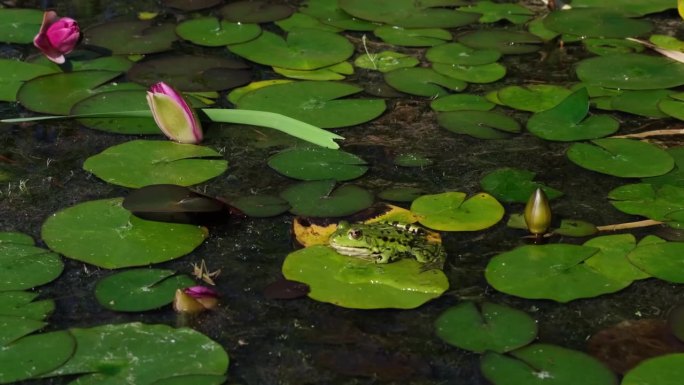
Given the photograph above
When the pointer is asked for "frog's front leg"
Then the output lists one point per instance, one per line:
(384, 256)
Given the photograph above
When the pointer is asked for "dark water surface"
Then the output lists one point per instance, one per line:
(303, 341)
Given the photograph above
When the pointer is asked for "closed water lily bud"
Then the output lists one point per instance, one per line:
(195, 299)
(173, 115)
(57, 36)
(538, 213)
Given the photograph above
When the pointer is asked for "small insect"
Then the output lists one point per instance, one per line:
(202, 272)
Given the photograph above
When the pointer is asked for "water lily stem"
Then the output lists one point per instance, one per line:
(674, 131)
(629, 225)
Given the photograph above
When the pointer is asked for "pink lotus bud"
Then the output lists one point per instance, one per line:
(195, 299)
(57, 36)
(173, 114)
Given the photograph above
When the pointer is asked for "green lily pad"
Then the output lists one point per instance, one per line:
(254, 11)
(568, 122)
(555, 272)
(485, 73)
(194, 379)
(410, 159)
(261, 206)
(16, 238)
(450, 211)
(537, 28)
(315, 163)
(304, 49)
(652, 201)
(611, 259)
(642, 102)
(192, 5)
(479, 124)
(322, 199)
(409, 13)
(386, 61)
(131, 37)
(504, 41)
(192, 73)
(19, 25)
(151, 352)
(314, 103)
(593, 22)
(14, 328)
(32, 356)
(575, 228)
(301, 20)
(422, 82)
(210, 32)
(633, 8)
(545, 364)
(532, 97)
(493, 12)
(494, 327)
(23, 266)
(461, 102)
(56, 93)
(612, 46)
(661, 260)
(116, 101)
(401, 194)
(333, 72)
(355, 283)
(509, 185)
(21, 304)
(140, 163)
(329, 12)
(140, 289)
(412, 37)
(676, 176)
(456, 53)
(14, 73)
(105, 234)
(666, 42)
(625, 158)
(661, 370)
(631, 72)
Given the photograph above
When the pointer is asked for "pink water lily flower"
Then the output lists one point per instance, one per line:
(57, 36)
(173, 115)
(195, 299)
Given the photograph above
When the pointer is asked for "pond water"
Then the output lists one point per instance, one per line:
(302, 341)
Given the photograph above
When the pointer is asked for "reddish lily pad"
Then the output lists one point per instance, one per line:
(131, 37)
(192, 73)
(254, 11)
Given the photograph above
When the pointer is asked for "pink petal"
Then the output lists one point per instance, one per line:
(200, 292)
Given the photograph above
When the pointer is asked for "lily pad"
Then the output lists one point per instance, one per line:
(533, 97)
(567, 121)
(504, 41)
(555, 272)
(131, 37)
(304, 49)
(301, 20)
(626, 158)
(386, 61)
(641, 102)
(461, 102)
(354, 283)
(329, 12)
(144, 162)
(611, 259)
(32, 356)
(195, 379)
(176, 204)
(13, 73)
(140, 289)
(676, 176)
(479, 124)
(493, 12)
(652, 201)
(23, 266)
(314, 163)
(634, 8)
(105, 234)
(493, 327)
(612, 46)
(412, 37)
(662, 370)
(190, 5)
(457, 53)
(485, 73)
(19, 25)
(210, 32)
(314, 103)
(21, 304)
(631, 72)
(450, 211)
(422, 82)
(661, 260)
(322, 199)
(151, 353)
(545, 364)
(510, 184)
(57, 93)
(410, 14)
(192, 73)
(593, 22)
(260, 206)
(575, 228)
(333, 72)
(116, 101)
(254, 11)
(401, 194)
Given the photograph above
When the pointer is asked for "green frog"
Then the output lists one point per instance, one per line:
(384, 242)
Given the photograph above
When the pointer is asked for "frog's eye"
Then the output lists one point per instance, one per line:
(355, 234)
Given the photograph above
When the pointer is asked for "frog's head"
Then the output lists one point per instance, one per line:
(350, 239)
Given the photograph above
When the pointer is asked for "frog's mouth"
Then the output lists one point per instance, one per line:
(351, 251)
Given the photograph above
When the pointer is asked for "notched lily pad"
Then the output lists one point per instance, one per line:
(23, 266)
(131, 37)
(532, 97)
(386, 61)
(116, 101)
(176, 204)
(260, 206)
(322, 199)
(479, 124)
(18, 25)
(13, 73)
(190, 5)
(626, 158)
(484, 73)
(254, 11)
(493, 12)
(450, 211)
(212, 32)
(317, 164)
(412, 37)
(593, 22)
(504, 41)
(631, 72)
(457, 53)
(423, 82)
(509, 184)
(409, 13)
(461, 102)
